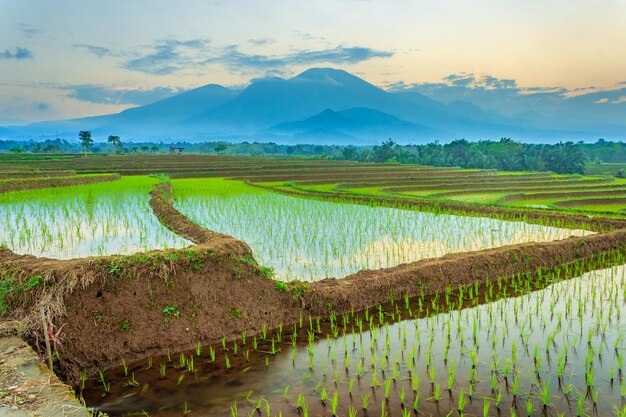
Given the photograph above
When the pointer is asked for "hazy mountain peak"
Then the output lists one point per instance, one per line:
(330, 76)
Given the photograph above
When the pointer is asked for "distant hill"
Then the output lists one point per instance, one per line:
(363, 122)
(6, 133)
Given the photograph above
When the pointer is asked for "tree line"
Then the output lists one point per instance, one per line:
(504, 154)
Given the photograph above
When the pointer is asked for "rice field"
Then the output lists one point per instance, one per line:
(546, 343)
(308, 240)
(486, 187)
(87, 220)
(476, 352)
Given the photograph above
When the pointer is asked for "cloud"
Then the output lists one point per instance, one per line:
(28, 29)
(339, 55)
(20, 53)
(169, 56)
(262, 41)
(471, 80)
(502, 95)
(42, 106)
(98, 51)
(106, 95)
(232, 58)
(585, 108)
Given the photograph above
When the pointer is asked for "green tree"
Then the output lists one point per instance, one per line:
(51, 148)
(116, 142)
(349, 153)
(221, 147)
(84, 136)
(366, 155)
(385, 151)
(16, 149)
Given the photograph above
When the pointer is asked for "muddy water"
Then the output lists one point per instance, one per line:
(562, 346)
(310, 240)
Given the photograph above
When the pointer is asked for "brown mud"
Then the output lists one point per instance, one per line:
(11, 175)
(136, 306)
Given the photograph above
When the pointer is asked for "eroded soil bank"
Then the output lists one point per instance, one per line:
(105, 308)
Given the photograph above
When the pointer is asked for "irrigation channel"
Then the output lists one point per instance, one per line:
(309, 240)
(554, 351)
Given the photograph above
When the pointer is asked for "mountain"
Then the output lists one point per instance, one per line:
(267, 102)
(178, 107)
(318, 103)
(363, 122)
(145, 120)
(6, 133)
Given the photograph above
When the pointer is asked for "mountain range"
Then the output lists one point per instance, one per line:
(320, 105)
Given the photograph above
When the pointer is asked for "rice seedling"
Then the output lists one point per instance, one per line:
(87, 220)
(365, 401)
(278, 231)
(530, 350)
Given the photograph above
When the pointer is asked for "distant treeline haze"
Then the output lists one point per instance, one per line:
(505, 154)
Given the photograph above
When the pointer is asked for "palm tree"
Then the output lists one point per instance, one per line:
(349, 153)
(85, 139)
(115, 141)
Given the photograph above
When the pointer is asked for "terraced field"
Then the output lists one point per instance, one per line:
(590, 193)
(527, 190)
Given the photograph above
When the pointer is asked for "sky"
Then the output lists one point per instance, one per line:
(66, 59)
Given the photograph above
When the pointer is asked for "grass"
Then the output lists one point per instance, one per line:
(609, 169)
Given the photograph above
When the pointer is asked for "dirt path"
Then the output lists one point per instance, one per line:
(28, 389)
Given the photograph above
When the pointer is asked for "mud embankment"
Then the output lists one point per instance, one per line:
(369, 288)
(12, 175)
(104, 308)
(161, 204)
(591, 201)
(37, 183)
